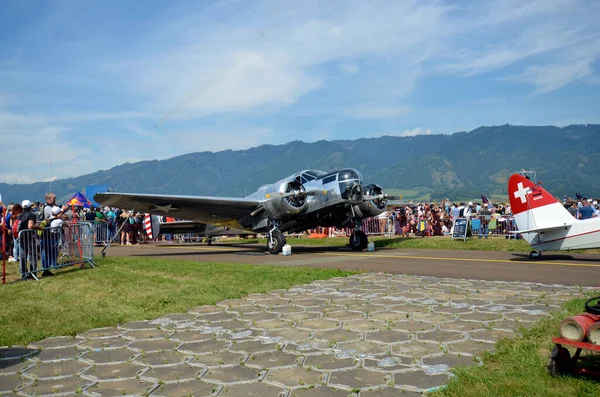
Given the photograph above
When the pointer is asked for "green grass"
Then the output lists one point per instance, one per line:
(518, 367)
(126, 289)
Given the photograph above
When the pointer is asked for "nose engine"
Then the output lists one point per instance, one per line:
(295, 194)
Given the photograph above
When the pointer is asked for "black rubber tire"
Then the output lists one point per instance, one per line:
(560, 361)
(278, 242)
(358, 240)
(535, 255)
(593, 308)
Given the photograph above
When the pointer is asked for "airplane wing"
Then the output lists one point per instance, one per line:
(211, 210)
(198, 228)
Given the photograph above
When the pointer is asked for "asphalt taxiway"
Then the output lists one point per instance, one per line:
(552, 268)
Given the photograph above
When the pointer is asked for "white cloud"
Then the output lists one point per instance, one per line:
(416, 131)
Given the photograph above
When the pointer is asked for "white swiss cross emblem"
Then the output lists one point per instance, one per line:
(522, 192)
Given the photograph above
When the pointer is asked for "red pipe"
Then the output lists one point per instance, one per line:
(576, 327)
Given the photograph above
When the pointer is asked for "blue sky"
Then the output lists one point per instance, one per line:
(87, 85)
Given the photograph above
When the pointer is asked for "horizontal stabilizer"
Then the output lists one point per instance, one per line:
(543, 229)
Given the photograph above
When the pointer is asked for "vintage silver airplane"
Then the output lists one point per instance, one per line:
(302, 201)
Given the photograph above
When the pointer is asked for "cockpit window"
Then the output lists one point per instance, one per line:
(348, 174)
(308, 176)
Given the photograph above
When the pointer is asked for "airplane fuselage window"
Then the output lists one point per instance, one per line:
(329, 179)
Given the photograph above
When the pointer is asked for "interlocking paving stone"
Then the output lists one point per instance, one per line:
(16, 352)
(329, 362)
(60, 341)
(162, 358)
(153, 345)
(56, 386)
(389, 363)
(376, 332)
(273, 359)
(416, 348)
(387, 336)
(56, 369)
(208, 346)
(190, 336)
(138, 325)
(358, 378)
(219, 359)
(61, 353)
(101, 333)
(146, 334)
(255, 389)
(122, 387)
(11, 382)
(14, 366)
(114, 371)
(104, 343)
(236, 373)
(419, 380)
(389, 392)
(323, 391)
(195, 388)
(440, 336)
(110, 356)
(254, 346)
(172, 373)
(338, 335)
(451, 360)
(295, 377)
(319, 324)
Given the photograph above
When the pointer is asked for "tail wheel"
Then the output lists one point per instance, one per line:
(358, 240)
(276, 242)
(535, 254)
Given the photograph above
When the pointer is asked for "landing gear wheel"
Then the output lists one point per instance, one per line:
(535, 254)
(358, 240)
(560, 361)
(276, 242)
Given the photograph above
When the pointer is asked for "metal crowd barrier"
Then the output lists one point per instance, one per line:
(103, 233)
(503, 226)
(54, 248)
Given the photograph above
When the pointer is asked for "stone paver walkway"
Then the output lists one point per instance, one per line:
(367, 335)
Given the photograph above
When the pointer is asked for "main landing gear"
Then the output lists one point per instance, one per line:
(535, 254)
(358, 240)
(275, 242)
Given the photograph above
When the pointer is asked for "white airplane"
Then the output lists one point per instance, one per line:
(543, 221)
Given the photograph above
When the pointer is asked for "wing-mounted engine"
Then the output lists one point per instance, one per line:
(290, 199)
(376, 202)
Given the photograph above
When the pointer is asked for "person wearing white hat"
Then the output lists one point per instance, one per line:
(27, 241)
(468, 211)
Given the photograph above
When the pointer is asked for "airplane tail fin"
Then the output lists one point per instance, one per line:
(533, 208)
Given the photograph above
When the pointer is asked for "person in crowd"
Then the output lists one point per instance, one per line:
(468, 210)
(586, 211)
(573, 210)
(485, 216)
(28, 241)
(14, 227)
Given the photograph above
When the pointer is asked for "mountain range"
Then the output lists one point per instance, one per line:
(459, 166)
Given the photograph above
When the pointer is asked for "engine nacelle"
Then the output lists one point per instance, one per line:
(288, 199)
(376, 206)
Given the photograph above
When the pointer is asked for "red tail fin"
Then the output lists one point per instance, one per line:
(525, 195)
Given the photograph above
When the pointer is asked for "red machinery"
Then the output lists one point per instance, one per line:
(581, 332)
